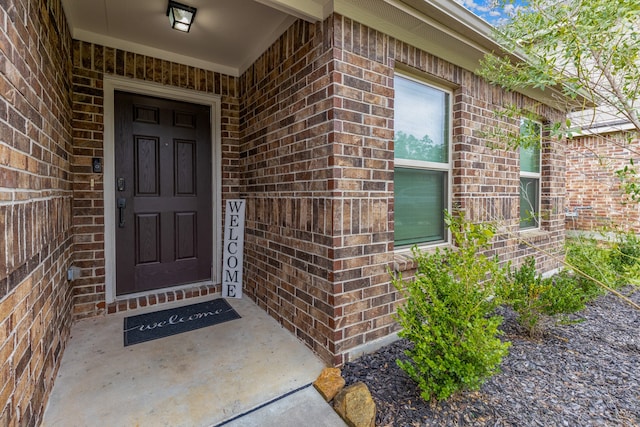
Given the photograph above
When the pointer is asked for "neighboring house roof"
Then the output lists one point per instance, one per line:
(599, 121)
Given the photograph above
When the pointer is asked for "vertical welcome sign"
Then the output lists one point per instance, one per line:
(233, 249)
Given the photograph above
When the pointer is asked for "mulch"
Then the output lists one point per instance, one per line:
(579, 374)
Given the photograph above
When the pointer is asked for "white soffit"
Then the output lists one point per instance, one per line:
(227, 35)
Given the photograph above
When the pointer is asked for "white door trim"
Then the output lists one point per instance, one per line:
(113, 83)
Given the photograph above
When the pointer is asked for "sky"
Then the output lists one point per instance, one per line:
(486, 10)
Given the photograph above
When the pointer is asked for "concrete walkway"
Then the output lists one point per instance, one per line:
(304, 407)
(245, 372)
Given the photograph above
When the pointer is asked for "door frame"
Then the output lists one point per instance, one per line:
(110, 85)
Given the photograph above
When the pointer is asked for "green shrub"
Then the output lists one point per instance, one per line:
(523, 294)
(625, 253)
(591, 257)
(540, 301)
(449, 314)
(612, 262)
(563, 296)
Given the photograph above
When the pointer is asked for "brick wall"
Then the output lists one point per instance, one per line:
(35, 204)
(316, 162)
(485, 180)
(307, 140)
(364, 158)
(90, 64)
(285, 174)
(592, 183)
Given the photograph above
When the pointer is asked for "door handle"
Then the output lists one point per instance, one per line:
(122, 203)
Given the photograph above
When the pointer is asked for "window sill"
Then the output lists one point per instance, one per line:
(533, 235)
(403, 257)
(403, 261)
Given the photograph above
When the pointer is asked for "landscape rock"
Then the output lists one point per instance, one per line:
(355, 405)
(329, 383)
(584, 372)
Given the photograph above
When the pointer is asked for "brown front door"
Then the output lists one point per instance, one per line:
(163, 193)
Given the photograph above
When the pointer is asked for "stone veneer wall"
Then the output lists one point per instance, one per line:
(35, 204)
(592, 182)
(91, 62)
(316, 162)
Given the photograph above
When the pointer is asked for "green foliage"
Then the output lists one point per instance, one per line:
(625, 257)
(448, 314)
(527, 135)
(589, 256)
(598, 262)
(540, 300)
(564, 295)
(625, 252)
(578, 46)
(589, 50)
(613, 263)
(630, 181)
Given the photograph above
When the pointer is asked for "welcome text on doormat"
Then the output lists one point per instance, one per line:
(160, 324)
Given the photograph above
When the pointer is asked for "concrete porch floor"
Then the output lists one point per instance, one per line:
(204, 377)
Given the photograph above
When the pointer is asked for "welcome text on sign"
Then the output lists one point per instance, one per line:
(233, 249)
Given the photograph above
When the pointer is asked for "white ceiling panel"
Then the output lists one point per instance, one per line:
(227, 35)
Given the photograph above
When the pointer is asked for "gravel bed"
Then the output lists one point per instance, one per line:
(581, 374)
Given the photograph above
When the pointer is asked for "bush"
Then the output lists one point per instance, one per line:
(591, 257)
(448, 314)
(625, 253)
(611, 263)
(564, 295)
(539, 301)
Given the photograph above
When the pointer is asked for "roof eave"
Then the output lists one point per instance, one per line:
(447, 30)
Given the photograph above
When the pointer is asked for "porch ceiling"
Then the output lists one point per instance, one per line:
(227, 35)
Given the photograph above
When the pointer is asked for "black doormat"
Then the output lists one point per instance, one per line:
(160, 324)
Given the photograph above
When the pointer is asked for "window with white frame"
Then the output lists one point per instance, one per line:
(422, 165)
(531, 139)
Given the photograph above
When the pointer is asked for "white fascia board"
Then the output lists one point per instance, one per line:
(141, 49)
(603, 128)
(473, 25)
(308, 10)
(600, 120)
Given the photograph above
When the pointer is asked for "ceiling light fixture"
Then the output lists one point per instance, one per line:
(180, 16)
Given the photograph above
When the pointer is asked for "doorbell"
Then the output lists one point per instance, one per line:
(96, 164)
